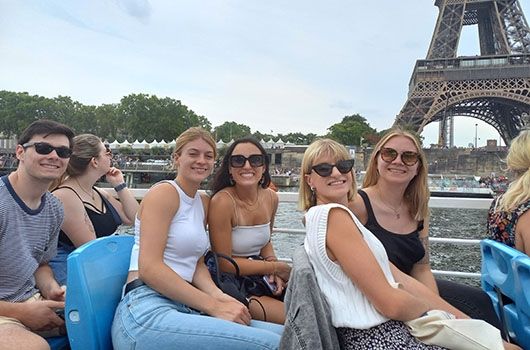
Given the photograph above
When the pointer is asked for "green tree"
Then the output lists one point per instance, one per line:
(350, 130)
(298, 138)
(231, 130)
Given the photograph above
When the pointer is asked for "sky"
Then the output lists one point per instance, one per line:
(276, 66)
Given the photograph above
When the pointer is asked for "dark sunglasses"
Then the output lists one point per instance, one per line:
(46, 148)
(255, 160)
(108, 150)
(408, 158)
(325, 169)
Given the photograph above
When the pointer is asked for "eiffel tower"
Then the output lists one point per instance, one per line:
(493, 86)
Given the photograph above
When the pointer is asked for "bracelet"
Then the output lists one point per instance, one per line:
(120, 187)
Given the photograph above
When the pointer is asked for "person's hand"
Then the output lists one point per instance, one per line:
(228, 308)
(114, 176)
(280, 284)
(40, 315)
(282, 270)
(53, 291)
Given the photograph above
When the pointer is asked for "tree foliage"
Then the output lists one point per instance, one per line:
(143, 116)
(231, 131)
(137, 116)
(350, 130)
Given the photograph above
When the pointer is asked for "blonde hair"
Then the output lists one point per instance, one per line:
(518, 161)
(320, 147)
(417, 192)
(193, 134)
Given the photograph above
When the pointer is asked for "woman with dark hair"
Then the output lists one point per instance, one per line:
(89, 212)
(240, 220)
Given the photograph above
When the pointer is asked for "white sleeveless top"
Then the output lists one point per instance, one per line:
(349, 307)
(248, 240)
(187, 239)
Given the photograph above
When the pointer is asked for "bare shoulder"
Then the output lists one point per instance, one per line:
(66, 196)
(523, 221)
(221, 199)
(357, 206)
(162, 196)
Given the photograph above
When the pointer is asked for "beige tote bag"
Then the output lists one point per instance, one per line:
(441, 328)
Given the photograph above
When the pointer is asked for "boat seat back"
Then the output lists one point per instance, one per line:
(497, 272)
(97, 272)
(499, 282)
(521, 266)
(58, 343)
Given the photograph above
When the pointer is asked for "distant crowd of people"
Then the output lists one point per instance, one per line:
(361, 280)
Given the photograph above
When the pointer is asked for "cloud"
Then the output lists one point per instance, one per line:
(140, 9)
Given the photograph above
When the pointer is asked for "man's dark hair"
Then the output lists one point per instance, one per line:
(46, 127)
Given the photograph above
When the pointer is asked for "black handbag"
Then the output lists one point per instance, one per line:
(229, 283)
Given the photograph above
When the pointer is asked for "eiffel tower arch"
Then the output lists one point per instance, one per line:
(493, 86)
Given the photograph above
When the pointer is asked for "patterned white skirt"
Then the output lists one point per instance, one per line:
(391, 335)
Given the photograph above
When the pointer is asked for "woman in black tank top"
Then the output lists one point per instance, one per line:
(89, 212)
(393, 205)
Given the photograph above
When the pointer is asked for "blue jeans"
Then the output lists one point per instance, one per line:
(58, 263)
(145, 319)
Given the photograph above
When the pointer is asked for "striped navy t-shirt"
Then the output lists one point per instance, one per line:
(28, 237)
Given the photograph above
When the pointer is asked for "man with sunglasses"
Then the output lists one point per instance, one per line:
(30, 220)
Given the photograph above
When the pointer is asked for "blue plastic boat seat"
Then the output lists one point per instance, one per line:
(497, 272)
(521, 268)
(97, 272)
(499, 283)
(58, 343)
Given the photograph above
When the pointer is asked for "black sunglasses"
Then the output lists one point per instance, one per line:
(108, 150)
(46, 148)
(255, 160)
(408, 158)
(325, 169)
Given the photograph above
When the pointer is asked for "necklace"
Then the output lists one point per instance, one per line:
(395, 210)
(90, 194)
(249, 206)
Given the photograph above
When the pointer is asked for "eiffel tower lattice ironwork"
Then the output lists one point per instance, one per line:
(493, 87)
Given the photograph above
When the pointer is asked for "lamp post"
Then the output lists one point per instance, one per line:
(476, 128)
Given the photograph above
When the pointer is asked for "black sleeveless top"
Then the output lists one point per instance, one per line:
(105, 223)
(403, 250)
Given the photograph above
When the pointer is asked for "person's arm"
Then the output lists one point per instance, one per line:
(433, 300)
(37, 316)
(76, 225)
(346, 245)
(127, 206)
(157, 210)
(522, 233)
(421, 270)
(220, 215)
(283, 270)
(47, 285)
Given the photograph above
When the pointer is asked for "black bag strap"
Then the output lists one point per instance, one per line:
(215, 256)
(229, 259)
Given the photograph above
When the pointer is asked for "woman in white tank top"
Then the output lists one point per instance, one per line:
(169, 290)
(240, 221)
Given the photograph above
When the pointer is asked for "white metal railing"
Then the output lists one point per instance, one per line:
(434, 202)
